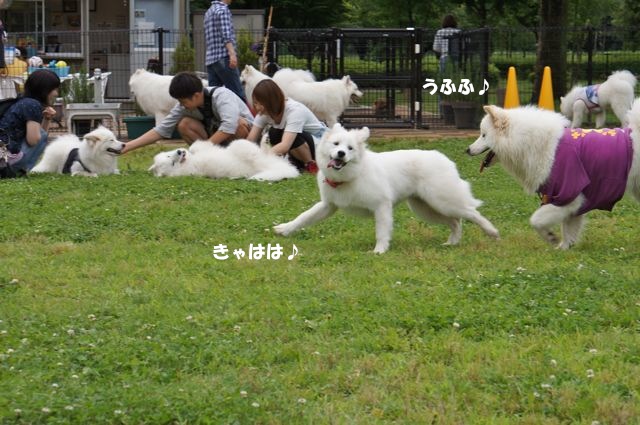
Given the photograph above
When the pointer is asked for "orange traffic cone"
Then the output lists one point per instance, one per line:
(546, 91)
(511, 97)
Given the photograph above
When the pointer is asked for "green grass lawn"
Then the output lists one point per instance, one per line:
(113, 308)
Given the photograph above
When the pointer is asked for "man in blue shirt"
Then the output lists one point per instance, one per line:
(220, 38)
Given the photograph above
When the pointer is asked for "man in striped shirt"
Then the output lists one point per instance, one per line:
(220, 38)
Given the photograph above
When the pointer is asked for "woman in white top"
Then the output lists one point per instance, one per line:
(293, 125)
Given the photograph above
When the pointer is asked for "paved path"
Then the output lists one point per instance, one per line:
(405, 133)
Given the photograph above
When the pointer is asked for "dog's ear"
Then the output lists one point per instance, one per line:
(363, 134)
(498, 117)
(91, 138)
(336, 127)
(346, 79)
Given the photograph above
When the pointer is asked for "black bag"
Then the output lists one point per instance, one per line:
(5, 104)
(7, 145)
(12, 145)
(210, 121)
(6, 171)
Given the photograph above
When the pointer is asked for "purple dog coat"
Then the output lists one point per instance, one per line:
(595, 163)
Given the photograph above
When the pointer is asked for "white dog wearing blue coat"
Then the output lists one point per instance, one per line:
(363, 182)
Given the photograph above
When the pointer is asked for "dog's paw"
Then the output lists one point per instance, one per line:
(381, 248)
(284, 229)
(564, 245)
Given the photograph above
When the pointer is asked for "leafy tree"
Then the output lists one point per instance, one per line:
(291, 13)
(630, 18)
(552, 45)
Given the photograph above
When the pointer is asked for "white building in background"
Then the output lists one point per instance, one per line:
(118, 36)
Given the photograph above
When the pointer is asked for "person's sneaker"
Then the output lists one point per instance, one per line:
(311, 167)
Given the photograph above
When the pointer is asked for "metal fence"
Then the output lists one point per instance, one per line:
(389, 65)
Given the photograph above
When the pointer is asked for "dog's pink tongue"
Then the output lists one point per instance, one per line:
(331, 163)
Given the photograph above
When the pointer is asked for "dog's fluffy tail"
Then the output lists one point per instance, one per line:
(633, 116)
(624, 75)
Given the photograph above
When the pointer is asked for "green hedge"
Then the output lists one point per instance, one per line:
(603, 64)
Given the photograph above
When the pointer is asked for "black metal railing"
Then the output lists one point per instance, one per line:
(389, 65)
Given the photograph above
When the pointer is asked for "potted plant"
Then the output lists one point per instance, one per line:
(141, 123)
(79, 90)
(184, 57)
(464, 102)
(247, 54)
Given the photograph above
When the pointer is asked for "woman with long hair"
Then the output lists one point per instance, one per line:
(26, 122)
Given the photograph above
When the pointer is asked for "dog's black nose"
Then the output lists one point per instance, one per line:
(341, 154)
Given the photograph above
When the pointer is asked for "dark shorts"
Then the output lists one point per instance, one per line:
(275, 137)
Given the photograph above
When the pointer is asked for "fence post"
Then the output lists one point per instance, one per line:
(417, 76)
(485, 60)
(161, 32)
(336, 67)
(590, 47)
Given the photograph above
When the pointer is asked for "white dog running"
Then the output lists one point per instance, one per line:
(95, 155)
(362, 182)
(241, 159)
(573, 170)
(616, 93)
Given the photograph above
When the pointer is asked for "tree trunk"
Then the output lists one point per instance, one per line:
(552, 46)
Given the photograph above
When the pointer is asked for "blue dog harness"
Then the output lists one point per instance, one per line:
(590, 97)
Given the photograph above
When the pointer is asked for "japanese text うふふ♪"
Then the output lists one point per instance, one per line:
(448, 86)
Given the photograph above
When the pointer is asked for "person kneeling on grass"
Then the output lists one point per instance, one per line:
(25, 124)
(202, 113)
(294, 128)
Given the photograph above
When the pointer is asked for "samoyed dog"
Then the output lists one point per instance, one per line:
(616, 93)
(572, 170)
(241, 159)
(152, 93)
(363, 182)
(285, 76)
(327, 99)
(251, 76)
(94, 155)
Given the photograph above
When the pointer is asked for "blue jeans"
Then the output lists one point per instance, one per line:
(31, 153)
(220, 74)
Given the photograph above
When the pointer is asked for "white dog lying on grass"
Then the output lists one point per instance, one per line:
(95, 155)
(241, 159)
(362, 182)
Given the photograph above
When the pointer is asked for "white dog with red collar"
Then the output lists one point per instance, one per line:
(362, 182)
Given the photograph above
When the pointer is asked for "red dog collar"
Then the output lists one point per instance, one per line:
(332, 183)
